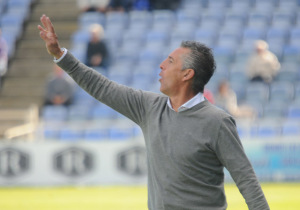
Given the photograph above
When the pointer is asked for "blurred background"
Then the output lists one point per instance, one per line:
(53, 133)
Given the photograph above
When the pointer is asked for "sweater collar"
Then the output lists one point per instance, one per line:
(198, 98)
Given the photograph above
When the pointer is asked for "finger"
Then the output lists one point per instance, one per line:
(49, 25)
(41, 28)
(43, 21)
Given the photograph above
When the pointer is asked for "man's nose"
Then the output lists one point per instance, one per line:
(161, 66)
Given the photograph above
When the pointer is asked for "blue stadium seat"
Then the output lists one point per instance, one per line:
(50, 131)
(140, 17)
(152, 55)
(206, 36)
(214, 4)
(10, 34)
(81, 36)
(266, 129)
(79, 112)
(295, 36)
(70, 134)
(117, 18)
(87, 18)
(287, 16)
(243, 54)
(260, 15)
(291, 53)
(266, 7)
(281, 91)
(101, 111)
(258, 23)
(210, 24)
(121, 133)
(82, 98)
(276, 46)
(238, 75)
(213, 17)
(224, 54)
(186, 15)
(280, 33)
(128, 54)
(274, 110)
(239, 89)
(134, 35)
(166, 16)
(297, 93)
(288, 75)
(54, 113)
(253, 34)
(257, 92)
(96, 134)
(291, 128)
(294, 111)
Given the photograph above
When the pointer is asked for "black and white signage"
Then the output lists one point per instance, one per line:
(73, 162)
(133, 161)
(13, 162)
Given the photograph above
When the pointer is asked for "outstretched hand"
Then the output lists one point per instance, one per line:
(47, 33)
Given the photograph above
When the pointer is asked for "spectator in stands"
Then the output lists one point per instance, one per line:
(59, 88)
(188, 140)
(227, 100)
(97, 54)
(263, 65)
(92, 5)
(3, 56)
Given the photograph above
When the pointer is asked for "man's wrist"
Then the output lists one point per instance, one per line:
(59, 58)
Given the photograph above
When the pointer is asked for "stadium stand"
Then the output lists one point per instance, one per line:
(139, 41)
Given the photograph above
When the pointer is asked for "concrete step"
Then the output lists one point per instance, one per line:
(30, 67)
(63, 29)
(66, 10)
(20, 101)
(11, 82)
(38, 44)
(31, 54)
(23, 91)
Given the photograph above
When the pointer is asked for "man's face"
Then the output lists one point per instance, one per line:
(171, 72)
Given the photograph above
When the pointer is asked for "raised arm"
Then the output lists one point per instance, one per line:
(48, 34)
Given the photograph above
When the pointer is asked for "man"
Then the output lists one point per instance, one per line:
(188, 140)
(59, 88)
(263, 65)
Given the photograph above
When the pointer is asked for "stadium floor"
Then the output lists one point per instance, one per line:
(281, 196)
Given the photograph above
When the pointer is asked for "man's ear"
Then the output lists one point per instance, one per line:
(188, 74)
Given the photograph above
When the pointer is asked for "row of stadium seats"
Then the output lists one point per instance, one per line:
(164, 30)
(113, 132)
(13, 14)
(122, 129)
(91, 110)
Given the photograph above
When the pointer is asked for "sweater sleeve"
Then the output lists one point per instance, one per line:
(230, 151)
(124, 100)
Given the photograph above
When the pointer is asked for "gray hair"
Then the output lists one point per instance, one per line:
(201, 60)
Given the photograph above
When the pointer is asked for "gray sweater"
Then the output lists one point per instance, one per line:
(186, 151)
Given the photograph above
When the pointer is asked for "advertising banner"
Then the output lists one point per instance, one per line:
(122, 162)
